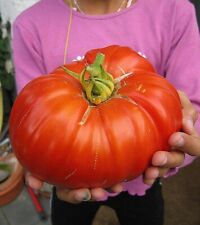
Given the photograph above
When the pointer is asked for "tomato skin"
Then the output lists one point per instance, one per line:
(61, 139)
(124, 57)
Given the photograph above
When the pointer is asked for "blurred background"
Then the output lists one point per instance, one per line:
(19, 205)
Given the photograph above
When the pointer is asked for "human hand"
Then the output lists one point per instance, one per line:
(85, 194)
(76, 195)
(187, 141)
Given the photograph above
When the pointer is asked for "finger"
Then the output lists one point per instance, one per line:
(73, 196)
(168, 159)
(98, 194)
(116, 188)
(188, 108)
(163, 171)
(188, 127)
(33, 182)
(149, 181)
(190, 113)
(152, 173)
(186, 143)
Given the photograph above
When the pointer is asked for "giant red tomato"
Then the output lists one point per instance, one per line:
(96, 122)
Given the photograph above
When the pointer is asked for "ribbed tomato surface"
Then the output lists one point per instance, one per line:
(63, 139)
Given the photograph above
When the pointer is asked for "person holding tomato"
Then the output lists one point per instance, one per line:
(53, 32)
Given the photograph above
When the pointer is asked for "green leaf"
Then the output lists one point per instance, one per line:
(7, 81)
(5, 167)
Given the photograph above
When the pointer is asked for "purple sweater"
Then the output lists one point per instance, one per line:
(165, 32)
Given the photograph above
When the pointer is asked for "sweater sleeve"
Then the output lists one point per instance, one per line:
(27, 55)
(183, 64)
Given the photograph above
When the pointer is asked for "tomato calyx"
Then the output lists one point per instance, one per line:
(100, 85)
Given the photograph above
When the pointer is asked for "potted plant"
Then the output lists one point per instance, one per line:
(11, 178)
(11, 172)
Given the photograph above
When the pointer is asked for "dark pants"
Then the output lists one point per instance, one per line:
(131, 210)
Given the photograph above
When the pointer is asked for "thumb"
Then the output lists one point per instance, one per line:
(33, 182)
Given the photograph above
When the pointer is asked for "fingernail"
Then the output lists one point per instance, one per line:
(188, 123)
(117, 189)
(86, 196)
(155, 174)
(179, 142)
(164, 161)
(82, 196)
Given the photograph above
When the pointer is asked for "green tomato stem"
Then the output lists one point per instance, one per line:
(100, 84)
